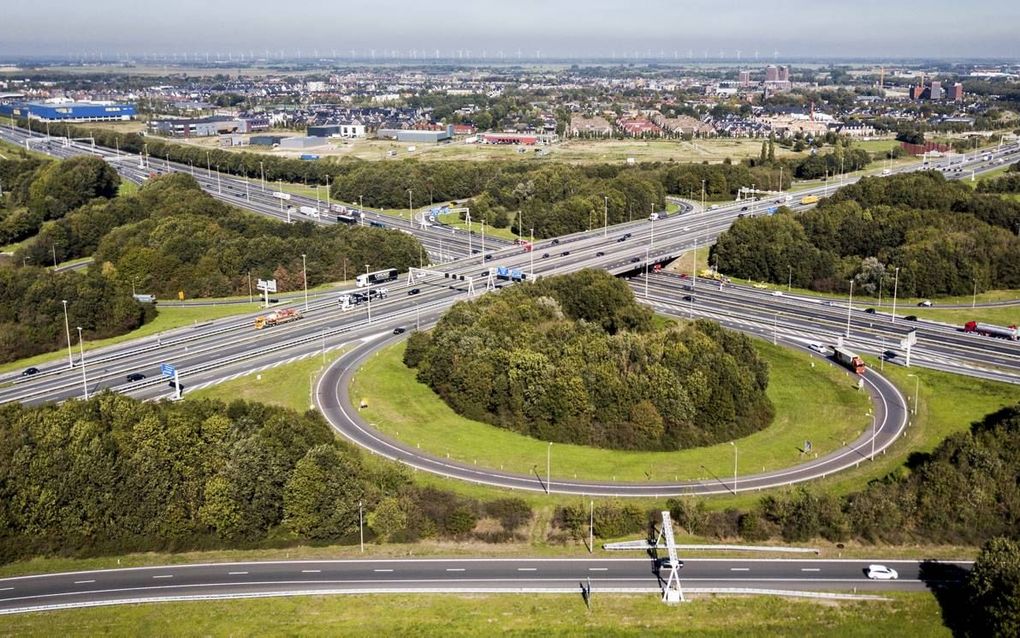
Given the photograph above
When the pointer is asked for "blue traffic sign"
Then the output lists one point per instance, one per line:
(167, 370)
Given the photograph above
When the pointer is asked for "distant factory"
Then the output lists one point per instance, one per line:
(69, 111)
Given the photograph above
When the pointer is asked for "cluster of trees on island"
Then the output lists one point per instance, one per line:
(945, 239)
(114, 475)
(576, 359)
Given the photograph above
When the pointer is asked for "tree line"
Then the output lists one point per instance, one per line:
(32, 312)
(113, 475)
(171, 236)
(1009, 182)
(38, 191)
(944, 238)
(575, 359)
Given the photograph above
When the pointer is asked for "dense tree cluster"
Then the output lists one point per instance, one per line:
(113, 475)
(191, 242)
(1008, 182)
(170, 236)
(32, 312)
(41, 191)
(993, 591)
(942, 236)
(574, 359)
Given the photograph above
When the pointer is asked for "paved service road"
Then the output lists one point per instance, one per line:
(149, 584)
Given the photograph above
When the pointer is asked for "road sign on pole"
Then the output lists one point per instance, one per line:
(267, 285)
(907, 342)
(167, 370)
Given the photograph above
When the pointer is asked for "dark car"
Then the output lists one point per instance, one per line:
(414, 291)
(627, 235)
(911, 318)
(870, 311)
(743, 208)
(135, 376)
(545, 255)
(600, 254)
(688, 297)
(741, 216)
(555, 242)
(565, 253)
(889, 355)
(621, 239)
(399, 330)
(29, 372)
(271, 300)
(635, 260)
(488, 257)
(665, 563)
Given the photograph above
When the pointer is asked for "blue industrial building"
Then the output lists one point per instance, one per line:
(70, 111)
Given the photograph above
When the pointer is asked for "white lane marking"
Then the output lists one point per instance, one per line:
(382, 570)
(311, 571)
(740, 569)
(6, 588)
(598, 569)
(82, 582)
(164, 576)
(527, 569)
(236, 573)
(810, 569)
(455, 569)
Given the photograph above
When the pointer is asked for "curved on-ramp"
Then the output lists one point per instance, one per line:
(890, 414)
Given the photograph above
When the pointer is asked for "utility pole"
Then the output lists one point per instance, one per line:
(548, 468)
(605, 228)
(591, 528)
(361, 524)
(531, 254)
(369, 291)
(896, 285)
(734, 444)
(304, 274)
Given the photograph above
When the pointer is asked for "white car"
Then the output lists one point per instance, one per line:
(819, 348)
(881, 572)
(777, 293)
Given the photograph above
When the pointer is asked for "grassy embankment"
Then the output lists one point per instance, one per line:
(402, 408)
(903, 614)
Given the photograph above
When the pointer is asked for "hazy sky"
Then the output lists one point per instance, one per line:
(849, 28)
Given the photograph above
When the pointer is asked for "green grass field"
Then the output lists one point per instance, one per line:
(903, 614)
(169, 318)
(401, 407)
(289, 386)
(453, 219)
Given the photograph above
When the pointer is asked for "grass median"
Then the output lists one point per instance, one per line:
(835, 413)
(901, 614)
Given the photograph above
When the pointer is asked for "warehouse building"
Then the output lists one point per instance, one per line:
(299, 143)
(70, 111)
(200, 127)
(344, 129)
(416, 136)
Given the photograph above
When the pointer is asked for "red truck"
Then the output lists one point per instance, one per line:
(989, 330)
(276, 318)
(848, 359)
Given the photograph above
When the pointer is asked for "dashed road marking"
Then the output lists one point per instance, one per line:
(82, 582)
(164, 576)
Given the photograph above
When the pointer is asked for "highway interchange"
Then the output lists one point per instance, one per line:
(223, 349)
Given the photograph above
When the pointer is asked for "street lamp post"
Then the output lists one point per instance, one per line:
(734, 444)
(548, 468)
(84, 380)
(67, 330)
(702, 195)
(605, 227)
(304, 275)
(849, 308)
(917, 387)
(895, 289)
(369, 291)
(531, 254)
(874, 434)
(410, 206)
(262, 172)
(789, 281)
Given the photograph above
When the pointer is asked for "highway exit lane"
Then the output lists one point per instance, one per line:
(147, 584)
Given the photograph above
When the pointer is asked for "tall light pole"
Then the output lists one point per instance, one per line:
(328, 205)
(734, 444)
(874, 434)
(789, 281)
(605, 227)
(84, 380)
(67, 329)
(262, 172)
(369, 291)
(548, 468)
(304, 274)
(361, 523)
(917, 387)
(896, 285)
(531, 254)
(410, 206)
(702, 195)
(849, 308)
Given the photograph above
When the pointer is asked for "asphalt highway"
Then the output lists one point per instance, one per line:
(552, 575)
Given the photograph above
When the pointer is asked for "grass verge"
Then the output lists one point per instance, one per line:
(288, 386)
(903, 614)
(169, 318)
(401, 407)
